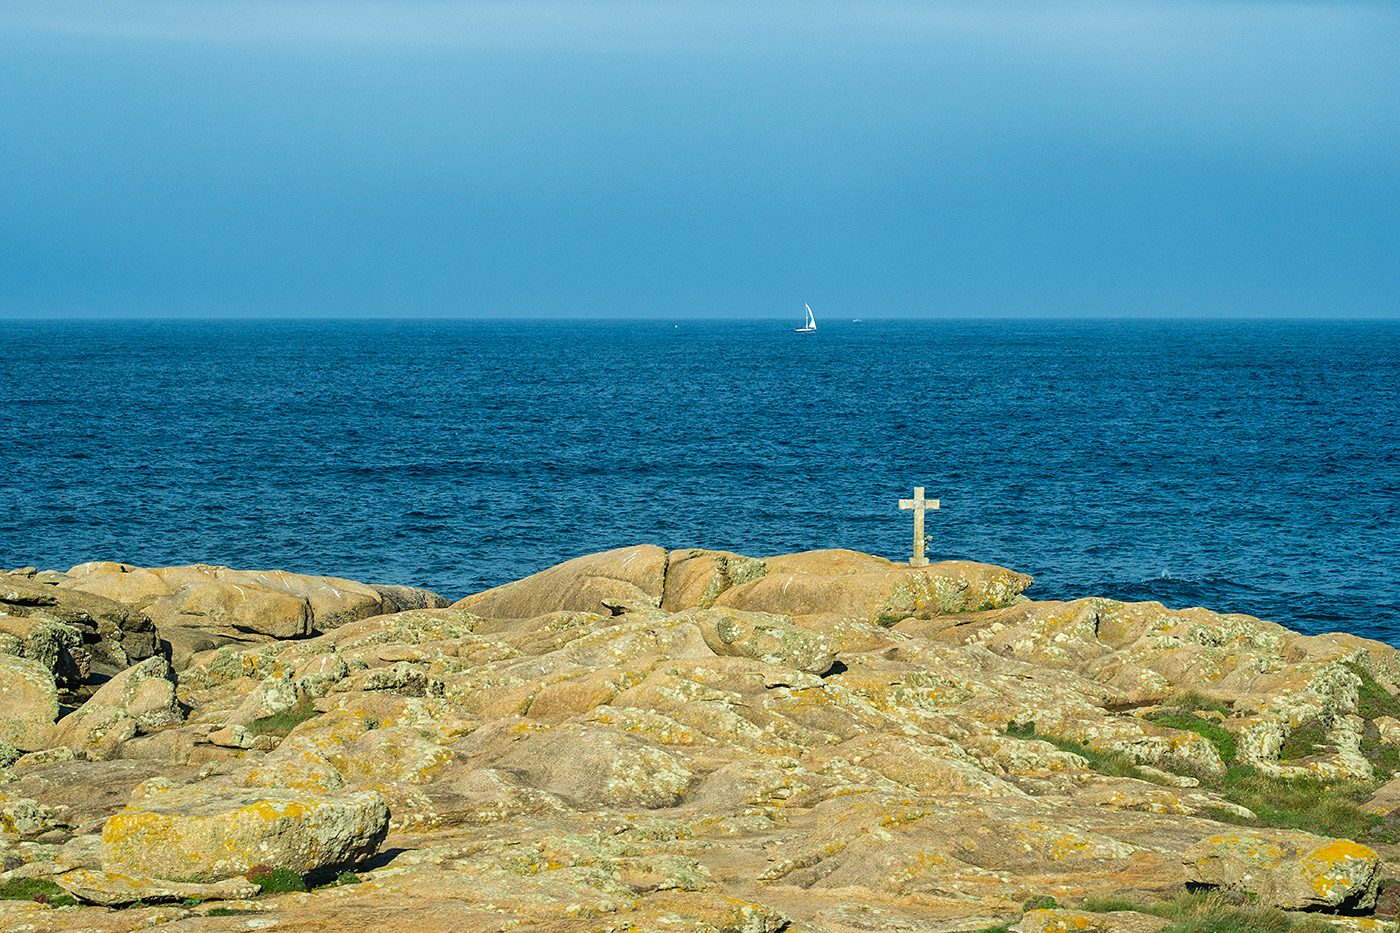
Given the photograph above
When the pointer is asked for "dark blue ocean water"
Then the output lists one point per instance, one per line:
(1246, 466)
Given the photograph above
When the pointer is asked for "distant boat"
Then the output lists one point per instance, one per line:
(810, 327)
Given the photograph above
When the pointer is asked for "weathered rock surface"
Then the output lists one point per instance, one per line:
(694, 741)
(139, 698)
(855, 585)
(1287, 869)
(28, 703)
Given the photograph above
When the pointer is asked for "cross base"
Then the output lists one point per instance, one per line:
(918, 562)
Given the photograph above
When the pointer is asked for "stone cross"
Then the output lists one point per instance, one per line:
(919, 504)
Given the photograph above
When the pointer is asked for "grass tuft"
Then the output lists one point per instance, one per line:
(1194, 702)
(1307, 739)
(1188, 721)
(1113, 764)
(1106, 905)
(284, 722)
(35, 889)
(1211, 913)
(1372, 700)
(276, 880)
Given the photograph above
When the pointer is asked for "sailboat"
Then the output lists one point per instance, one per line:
(810, 327)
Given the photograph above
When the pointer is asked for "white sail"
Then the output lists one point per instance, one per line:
(810, 324)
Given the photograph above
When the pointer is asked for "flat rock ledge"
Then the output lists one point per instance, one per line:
(114, 890)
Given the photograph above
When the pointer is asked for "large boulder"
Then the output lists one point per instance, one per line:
(140, 698)
(584, 584)
(28, 703)
(1289, 869)
(57, 646)
(833, 582)
(206, 834)
(861, 586)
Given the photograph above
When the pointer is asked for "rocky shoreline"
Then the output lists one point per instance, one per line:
(681, 740)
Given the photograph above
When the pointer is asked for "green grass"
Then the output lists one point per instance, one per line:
(1194, 702)
(1373, 700)
(1384, 759)
(284, 722)
(1307, 739)
(1107, 905)
(226, 912)
(1211, 913)
(35, 889)
(1188, 721)
(1113, 764)
(1329, 808)
(1040, 902)
(276, 880)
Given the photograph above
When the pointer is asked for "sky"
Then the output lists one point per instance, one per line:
(239, 158)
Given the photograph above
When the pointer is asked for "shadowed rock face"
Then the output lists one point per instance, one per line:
(73, 634)
(698, 740)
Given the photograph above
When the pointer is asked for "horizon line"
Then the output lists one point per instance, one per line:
(651, 319)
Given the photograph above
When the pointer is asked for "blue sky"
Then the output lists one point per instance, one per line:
(349, 158)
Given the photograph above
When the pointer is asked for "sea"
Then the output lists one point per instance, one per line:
(1246, 465)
